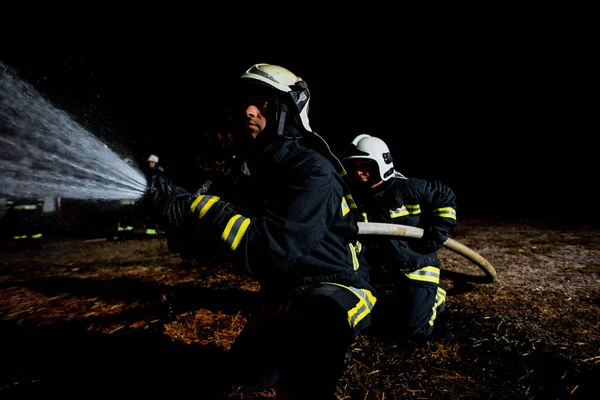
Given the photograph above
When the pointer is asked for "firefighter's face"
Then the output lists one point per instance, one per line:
(255, 120)
(363, 171)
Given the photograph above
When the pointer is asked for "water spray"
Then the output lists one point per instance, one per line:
(44, 152)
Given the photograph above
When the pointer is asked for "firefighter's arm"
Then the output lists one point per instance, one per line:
(274, 241)
(442, 218)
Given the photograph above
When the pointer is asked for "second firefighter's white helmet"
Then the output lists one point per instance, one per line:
(295, 90)
(372, 148)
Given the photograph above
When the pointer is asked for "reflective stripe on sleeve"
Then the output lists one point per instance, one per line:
(235, 230)
(25, 207)
(446, 212)
(203, 203)
(399, 212)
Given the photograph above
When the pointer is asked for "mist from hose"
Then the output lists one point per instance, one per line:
(43, 152)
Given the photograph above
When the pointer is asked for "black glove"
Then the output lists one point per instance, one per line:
(168, 202)
(432, 241)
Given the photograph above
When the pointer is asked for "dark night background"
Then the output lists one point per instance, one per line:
(501, 114)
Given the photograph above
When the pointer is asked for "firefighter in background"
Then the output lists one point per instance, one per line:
(297, 238)
(152, 165)
(384, 195)
(23, 221)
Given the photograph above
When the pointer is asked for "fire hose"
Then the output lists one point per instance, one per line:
(386, 229)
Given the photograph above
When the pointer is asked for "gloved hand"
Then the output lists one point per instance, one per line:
(168, 202)
(432, 240)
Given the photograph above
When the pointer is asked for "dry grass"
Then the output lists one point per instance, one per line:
(124, 319)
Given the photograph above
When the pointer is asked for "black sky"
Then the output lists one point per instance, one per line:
(500, 117)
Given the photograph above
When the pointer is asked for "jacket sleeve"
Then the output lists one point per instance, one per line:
(438, 203)
(291, 229)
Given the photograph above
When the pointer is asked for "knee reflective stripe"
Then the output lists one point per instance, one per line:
(354, 258)
(235, 230)
(440, 297)
(425, 274)
(446, 212)
(125, 228)
(18, 237)
(203, 203)
(365, 304)
(150, 231)
(36, 236)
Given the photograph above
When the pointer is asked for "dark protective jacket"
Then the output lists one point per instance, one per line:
(430, 206)
(296, 232)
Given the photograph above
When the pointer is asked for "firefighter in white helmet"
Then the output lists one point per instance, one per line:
(382, 194)
(296, 236)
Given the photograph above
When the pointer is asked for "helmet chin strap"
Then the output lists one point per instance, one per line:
(281, 116)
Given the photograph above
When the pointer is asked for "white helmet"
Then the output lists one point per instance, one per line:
(371, 148)
(152, 158)
(296, 94)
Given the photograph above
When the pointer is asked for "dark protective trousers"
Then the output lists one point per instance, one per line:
(300, 345)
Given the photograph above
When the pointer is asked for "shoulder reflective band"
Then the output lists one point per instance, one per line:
(350, 201)
(345, 208)
(446, 212)
(365, 304)
(203, 203)
(235, 230)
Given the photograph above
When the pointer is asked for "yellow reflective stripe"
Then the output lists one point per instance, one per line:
(125, 228)
(25, 207)
(127, 202)
(343, 173)
(150, 231)
(358, 247)
(205, 202)
(364, 217)
(36, 236)
(350, 200)
(235, 230)
(399, 212)
(20, 237)
(425, 274)
(345, 208)
(440, 297)
(354, 258)
(446, 212)
(365, 304)
(413, 209)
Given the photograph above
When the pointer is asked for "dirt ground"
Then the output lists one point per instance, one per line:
(84, 318)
